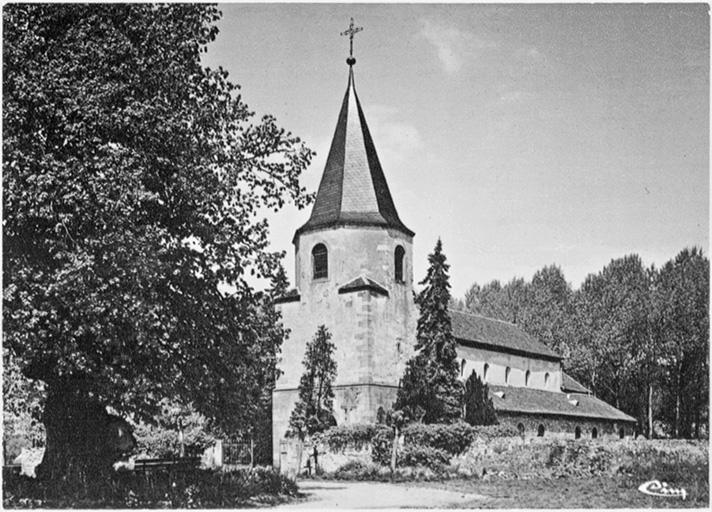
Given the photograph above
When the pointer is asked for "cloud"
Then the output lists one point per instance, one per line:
(453, 45)
(395, 139)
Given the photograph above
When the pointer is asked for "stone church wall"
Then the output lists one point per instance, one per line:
(564, 427)
(476, 358)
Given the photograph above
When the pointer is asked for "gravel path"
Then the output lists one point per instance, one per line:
(324, 494)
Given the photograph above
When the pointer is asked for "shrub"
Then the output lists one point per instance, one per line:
(382, 446)
(357, 435)
(425, 456)
(452, 438)
(358, 470)
(189, 489)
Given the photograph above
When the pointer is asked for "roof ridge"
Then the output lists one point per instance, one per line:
(467, 313)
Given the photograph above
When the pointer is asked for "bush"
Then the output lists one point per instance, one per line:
(425, 456)
(358, 470)
(358, 435)
(189, 489)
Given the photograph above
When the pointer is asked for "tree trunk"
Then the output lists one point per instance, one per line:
(394, 450)
(79, 447)
(650, 411)
(677, 403)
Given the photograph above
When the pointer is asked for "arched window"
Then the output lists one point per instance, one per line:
(320, 261)
(540, 431)
(577, 432)
(399, 256)
(621, 432)
(546, 380)
(594, 433)
(520, 427)
(526, 378)
(506, 374)
(484, 374)
(462, 368)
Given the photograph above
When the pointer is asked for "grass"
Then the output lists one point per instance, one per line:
(596, 492)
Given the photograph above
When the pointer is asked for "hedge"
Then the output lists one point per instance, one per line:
(127, 489)
(357, 435)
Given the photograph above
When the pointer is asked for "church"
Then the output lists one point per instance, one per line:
(354, 274)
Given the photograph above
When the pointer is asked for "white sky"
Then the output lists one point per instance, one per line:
(521, 135)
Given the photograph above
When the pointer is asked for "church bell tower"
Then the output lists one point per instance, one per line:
(354, 274)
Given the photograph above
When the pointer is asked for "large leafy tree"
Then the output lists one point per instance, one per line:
(430, 383)
(681, 317)
(314, 410)
(611, 330)
(133, 179)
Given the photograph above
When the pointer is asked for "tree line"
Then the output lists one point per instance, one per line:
(636, 336)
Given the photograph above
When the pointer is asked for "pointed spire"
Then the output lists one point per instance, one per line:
(353, 188)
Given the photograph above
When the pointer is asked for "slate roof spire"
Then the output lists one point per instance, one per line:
(353, 188)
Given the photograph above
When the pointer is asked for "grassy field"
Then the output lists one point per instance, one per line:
(597, 492)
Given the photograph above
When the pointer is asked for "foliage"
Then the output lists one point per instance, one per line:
(431, 380)
(132, 183)
(426, 456)
(479, 409)
(452, 439)
(355, 435)
(681, 317)
(314, 410)
(161, 440)
(191, 489)
(636, 336)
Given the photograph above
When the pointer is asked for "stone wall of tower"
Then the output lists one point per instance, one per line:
(373, 334)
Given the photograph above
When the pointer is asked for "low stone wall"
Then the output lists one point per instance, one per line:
(555, 458)
(331, 460)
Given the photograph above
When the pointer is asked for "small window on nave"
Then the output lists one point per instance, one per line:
(484, 373)
(506, 374)
(462, 368)
(526, 378)
(546, 380)
(594, 433)
(398, 257)
(320, 261)
(577, 432)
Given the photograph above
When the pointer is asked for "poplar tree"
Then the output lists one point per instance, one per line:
(430, 383)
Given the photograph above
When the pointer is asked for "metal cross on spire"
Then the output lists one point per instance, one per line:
(351, 31)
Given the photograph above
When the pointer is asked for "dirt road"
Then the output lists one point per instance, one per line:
(323, 494)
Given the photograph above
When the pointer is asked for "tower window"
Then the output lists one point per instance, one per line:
(399, 255)
(520, 428)
(526, 378)
(594, 433)
(506, 375)
(320, 261)
(621, 433)
(540, 431)
(577, 432)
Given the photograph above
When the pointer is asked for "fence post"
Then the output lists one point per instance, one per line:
(218, 453)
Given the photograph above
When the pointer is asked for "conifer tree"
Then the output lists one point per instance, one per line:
(431, 381)
(314, 411)
(479, 409)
